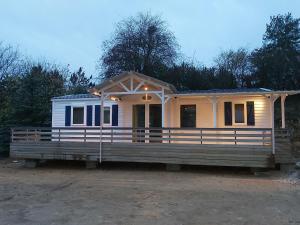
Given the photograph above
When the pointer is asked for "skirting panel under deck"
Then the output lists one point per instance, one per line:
(215, 155)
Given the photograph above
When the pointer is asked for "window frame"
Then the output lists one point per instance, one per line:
(180, 115)
(110, 114)
(245, 113)
(84, 115)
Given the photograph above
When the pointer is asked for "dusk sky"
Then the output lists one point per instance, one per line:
(72, 31)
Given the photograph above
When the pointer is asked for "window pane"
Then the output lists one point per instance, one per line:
(78, 114)
(239, 113)
(188, 115)
(106, 115)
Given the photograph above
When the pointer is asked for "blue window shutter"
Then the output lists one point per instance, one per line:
(250, 114)
(68, 116)
(228, 113)
(115, 119)
(97, 115)
(89, 115)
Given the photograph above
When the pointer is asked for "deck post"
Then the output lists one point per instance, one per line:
(31, 163)
(235, 137)
(282, 98)
(59, 135)
(162, 111)
(162, 107)
(27, 137)
(111, 135)
(12, 134)
(272, 100)
(101, 125)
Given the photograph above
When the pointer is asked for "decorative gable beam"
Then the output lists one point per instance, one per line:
(150, 81)
(139, 85)
(124, 86)
(131, 83)
(159, 95)
(166, 97)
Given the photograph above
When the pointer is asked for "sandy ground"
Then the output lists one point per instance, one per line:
(143, 194)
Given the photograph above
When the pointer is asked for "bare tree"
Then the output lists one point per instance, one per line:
(236, 62)
(9, 60)
(142, 43)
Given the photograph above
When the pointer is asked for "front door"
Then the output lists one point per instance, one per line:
(138, 121)
(155, 122)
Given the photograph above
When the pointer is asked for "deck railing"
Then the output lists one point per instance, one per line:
(233, 136)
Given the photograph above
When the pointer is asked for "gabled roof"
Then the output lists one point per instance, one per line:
(123, 75)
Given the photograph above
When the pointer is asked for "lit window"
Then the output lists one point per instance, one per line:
(78, 115)
(239, 113)
(188, 115)
(106, 118)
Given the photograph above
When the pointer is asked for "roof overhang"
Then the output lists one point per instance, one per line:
(262, 93)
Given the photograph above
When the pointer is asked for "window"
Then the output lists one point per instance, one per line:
(78, 115)
(239, 113)
(106, 118)
(188, 115)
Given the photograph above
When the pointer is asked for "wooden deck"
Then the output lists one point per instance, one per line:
(216, 147)
(217, 155)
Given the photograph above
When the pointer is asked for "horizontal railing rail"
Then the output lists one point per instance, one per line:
(250, 136)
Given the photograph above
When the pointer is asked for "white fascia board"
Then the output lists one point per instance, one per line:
(237, 94)
(73, 99)
(79, 100)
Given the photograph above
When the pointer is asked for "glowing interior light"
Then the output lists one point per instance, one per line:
(113, 98)
(146, 88)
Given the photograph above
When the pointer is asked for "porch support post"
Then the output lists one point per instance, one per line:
(282, 98)
(101, 125)
(169, 113)
(214, 101)
(162, 107)
(272, 100)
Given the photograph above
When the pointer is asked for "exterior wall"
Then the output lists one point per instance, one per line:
(261, 109)
(58, 110)
(204, 116)
(126, 105)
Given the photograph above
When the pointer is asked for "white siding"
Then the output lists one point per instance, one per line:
(261, 109)
(204, 116)
(58, 109)
(125, 108)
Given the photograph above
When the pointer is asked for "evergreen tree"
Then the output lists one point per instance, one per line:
(276, 64)
(79, 83)
(32, 99)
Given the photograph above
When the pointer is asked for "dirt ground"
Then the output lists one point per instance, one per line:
(129, 194)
